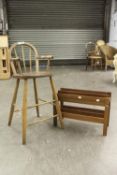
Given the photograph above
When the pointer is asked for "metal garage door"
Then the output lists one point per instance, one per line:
(60, 27)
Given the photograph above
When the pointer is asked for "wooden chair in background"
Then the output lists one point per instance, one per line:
(25, 65)
(93, 55)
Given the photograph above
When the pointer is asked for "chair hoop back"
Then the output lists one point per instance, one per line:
(90, 46)
(23, 56)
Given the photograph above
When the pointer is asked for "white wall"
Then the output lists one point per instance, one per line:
(1, 14)
(3, 17)
(113, 24)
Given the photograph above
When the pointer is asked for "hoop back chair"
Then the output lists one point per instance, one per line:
(93, 55)
(25, 65)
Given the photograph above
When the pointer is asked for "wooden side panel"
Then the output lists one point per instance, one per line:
(4, 63)
(85, 98)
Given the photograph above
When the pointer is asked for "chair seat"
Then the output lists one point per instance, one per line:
(33, 75)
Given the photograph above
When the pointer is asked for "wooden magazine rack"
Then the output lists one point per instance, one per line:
(92, 106)
(4, 58)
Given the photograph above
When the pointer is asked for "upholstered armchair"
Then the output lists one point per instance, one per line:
(108, 53)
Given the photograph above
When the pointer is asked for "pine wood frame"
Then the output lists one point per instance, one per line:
(4, 58)
(21, 72)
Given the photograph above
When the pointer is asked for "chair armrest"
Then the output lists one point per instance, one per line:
(15, 59)
(45, 57)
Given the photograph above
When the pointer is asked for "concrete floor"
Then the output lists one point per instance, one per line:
(79, 149)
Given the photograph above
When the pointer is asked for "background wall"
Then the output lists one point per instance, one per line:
(1, 17)
(113, 24)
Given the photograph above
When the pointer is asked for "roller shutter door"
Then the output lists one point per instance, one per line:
(60, 27)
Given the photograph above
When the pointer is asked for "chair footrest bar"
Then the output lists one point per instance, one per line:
(41, 119)
(52, 101)
(33, 106)
(40, 104)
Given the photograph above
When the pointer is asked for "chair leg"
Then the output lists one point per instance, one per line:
(56, 102)
(101, 63)
(36, 95)
(114, 77)
(92, 64)
(24, 111)
(13, 102)
(105, 65)
(87, 61)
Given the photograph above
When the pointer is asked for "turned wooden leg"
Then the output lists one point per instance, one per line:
(36, 95)
(24, 111)
(13, 102)
(105, 126)
(56, 102)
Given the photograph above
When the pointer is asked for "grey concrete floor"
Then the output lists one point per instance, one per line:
(79, 149)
